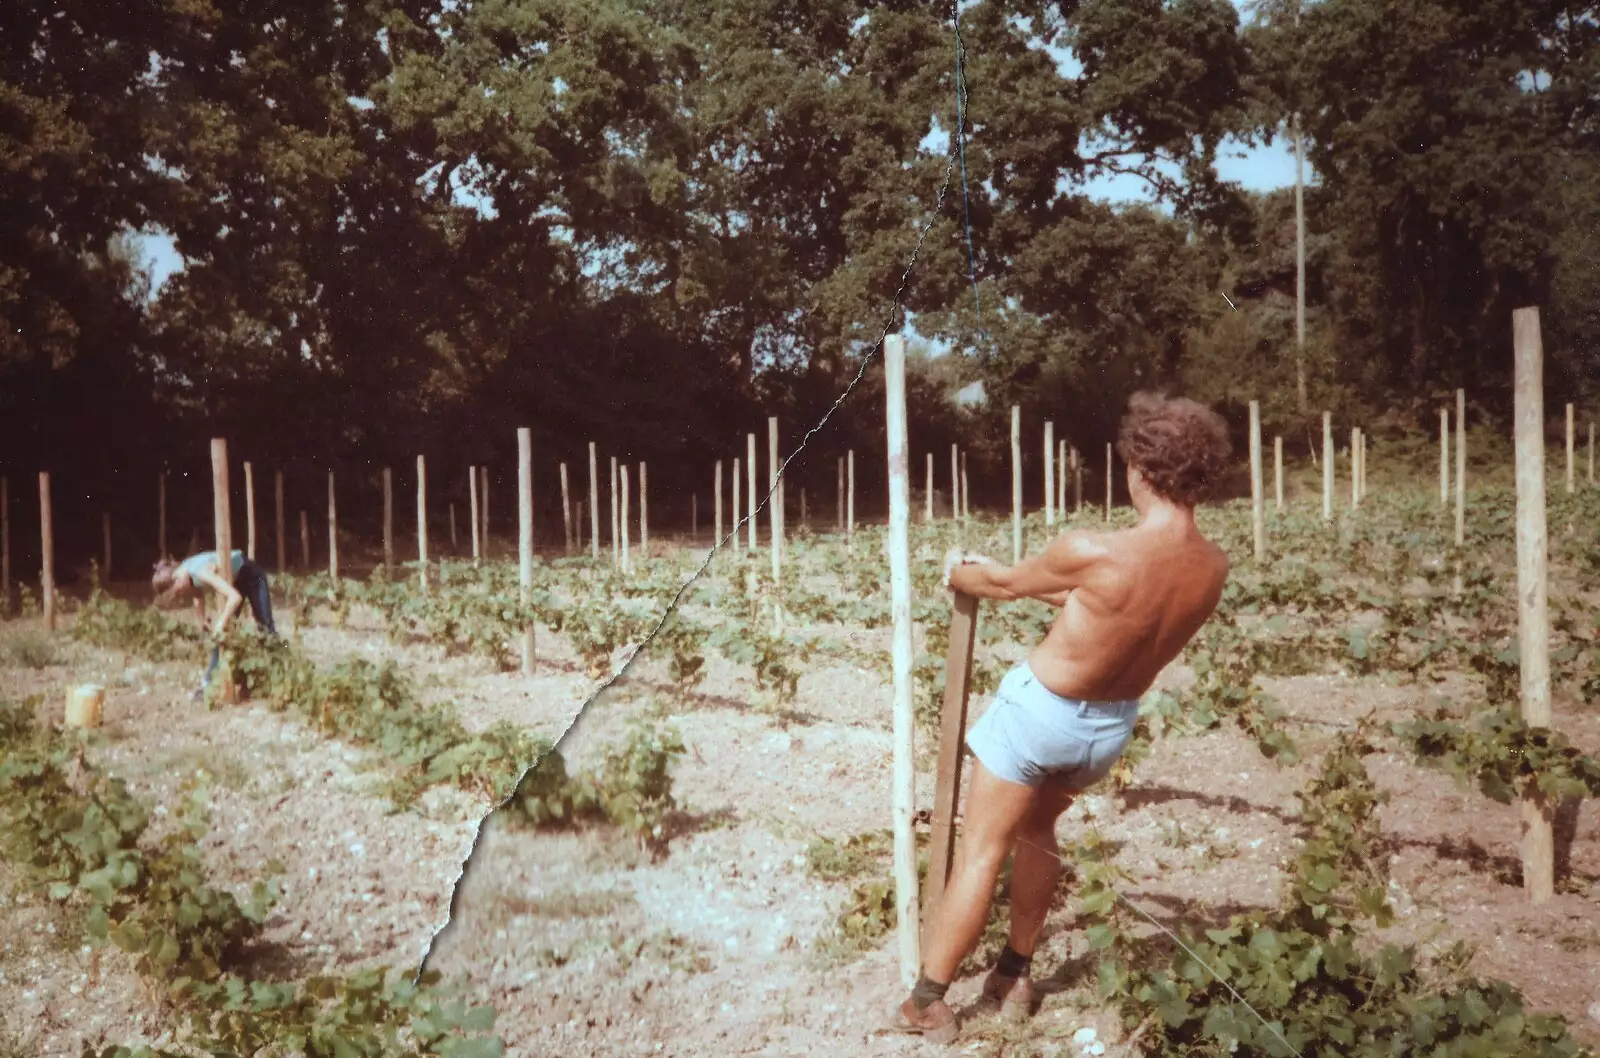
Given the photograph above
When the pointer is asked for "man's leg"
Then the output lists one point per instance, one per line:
(996, 812)
(1036, 868)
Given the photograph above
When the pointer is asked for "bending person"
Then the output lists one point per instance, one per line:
(198, 572)
(1130, 601)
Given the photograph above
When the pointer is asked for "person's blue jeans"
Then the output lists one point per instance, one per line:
(252, 584)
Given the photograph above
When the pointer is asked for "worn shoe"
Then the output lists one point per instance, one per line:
(1013, 995)
(936, 1022)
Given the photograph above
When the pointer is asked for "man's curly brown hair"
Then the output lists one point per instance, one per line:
(1180, 447)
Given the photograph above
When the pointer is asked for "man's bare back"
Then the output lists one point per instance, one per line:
(1142, 594)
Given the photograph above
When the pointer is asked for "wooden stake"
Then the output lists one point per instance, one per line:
(47, 551)
(839, 507)
(277, 501)
(5, 546)
(1258, 520)
(1355, 467)
(694, 515)
(1277, 470)
(305, 541)
(952, 732)
(1591, 452)
(905, 849)
(105, 534)
(736, 487)
(161, 524)
(566, 510)
(1327, 466)
(775, 517)
(1061, 479)
(594, 504)
(223, 517)
(616, 524)
(1571, 462)
(1016, 484)
(472, 512)
(333, 534)
(716, 504)
(750, 491)
(388, 522)
(927, 495)
(1363, 464)
(483, 507)
(249, 513)
(525, 537)
(1049, 473)
(966, 492)
(850, 497)
(422, 523)
(626, 562)
(644, 510)
(1533, 618)
(1444, 456)
(1110, 470)
(452, 509)
(802, 506)
(1077, 480)
(955, 483)
(1461, 468)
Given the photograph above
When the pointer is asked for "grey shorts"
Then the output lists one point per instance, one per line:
(1030, 734)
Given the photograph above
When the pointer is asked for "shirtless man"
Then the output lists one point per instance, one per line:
(1130, 601)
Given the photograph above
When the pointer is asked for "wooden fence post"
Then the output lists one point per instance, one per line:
(1016, 484)
(1110, 471)
(305, 541)
(1257, 499)
(716, 500)
(1049, 473)
(955, 483)
(644, 509)
(333, 535)
(750, 489)
(1277, 470)
(1061, 480)
(850, 498)
(223, 516)
(1444, 456)
(422, 522)
(47, 551)
(472, 514)
(594, 504)
(451, 507)
(627, 563)
(1355, 467)
(616, 515)
(775, 519)
(1461, 468)
(905, 849)
(1571, 461)
(483, 507)
(839, 507)
(388, 522)
(249, 513)
(525, 537)
(1327, 466)
(927, 495)
(952, 732)
(1077, 480)
(966, 492)
(566, 510)
(161, 523)
(1533, 618)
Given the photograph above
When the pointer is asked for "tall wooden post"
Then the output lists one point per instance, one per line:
(1591, 452)
(525, 537)
(422, 522)
(905, 849)
(775, 507)
(1257, 499)
(1327, 466)
(483, 507)
(716, 502)
(1461, 468)
(277, 502)
(1355, 467)
(750, 488)
(1572, 482)
(388, 522)
(955, 483)
(105, 543)
(1061, 479)
(472, 513)
(1049, 473)
(1444, 456)
(451, 507)
(333, 534)
(5, 546)
(594, 504)
(616, 515)
(223, 516)
(1016, 484)
(1077, 480)
(1277, 470)
(566, 510)
(1110, 471)
(47, 551)
(161, 523)
(927, 495)
(966, 492)
(305, 541)
(803, 519)
(1533, 617)
(249, 513)
(644, 509)
(838, 510)
(627, 563)
(736, 487)
(850, 497)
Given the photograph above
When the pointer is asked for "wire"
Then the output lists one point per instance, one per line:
(961, 141)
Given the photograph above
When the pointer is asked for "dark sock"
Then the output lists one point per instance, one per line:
(1011, 963)
(926, 992)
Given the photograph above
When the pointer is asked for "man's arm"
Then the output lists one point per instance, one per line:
(1049, 576)
(227, 591)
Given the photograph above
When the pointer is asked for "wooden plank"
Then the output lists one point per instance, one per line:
(952, 734)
